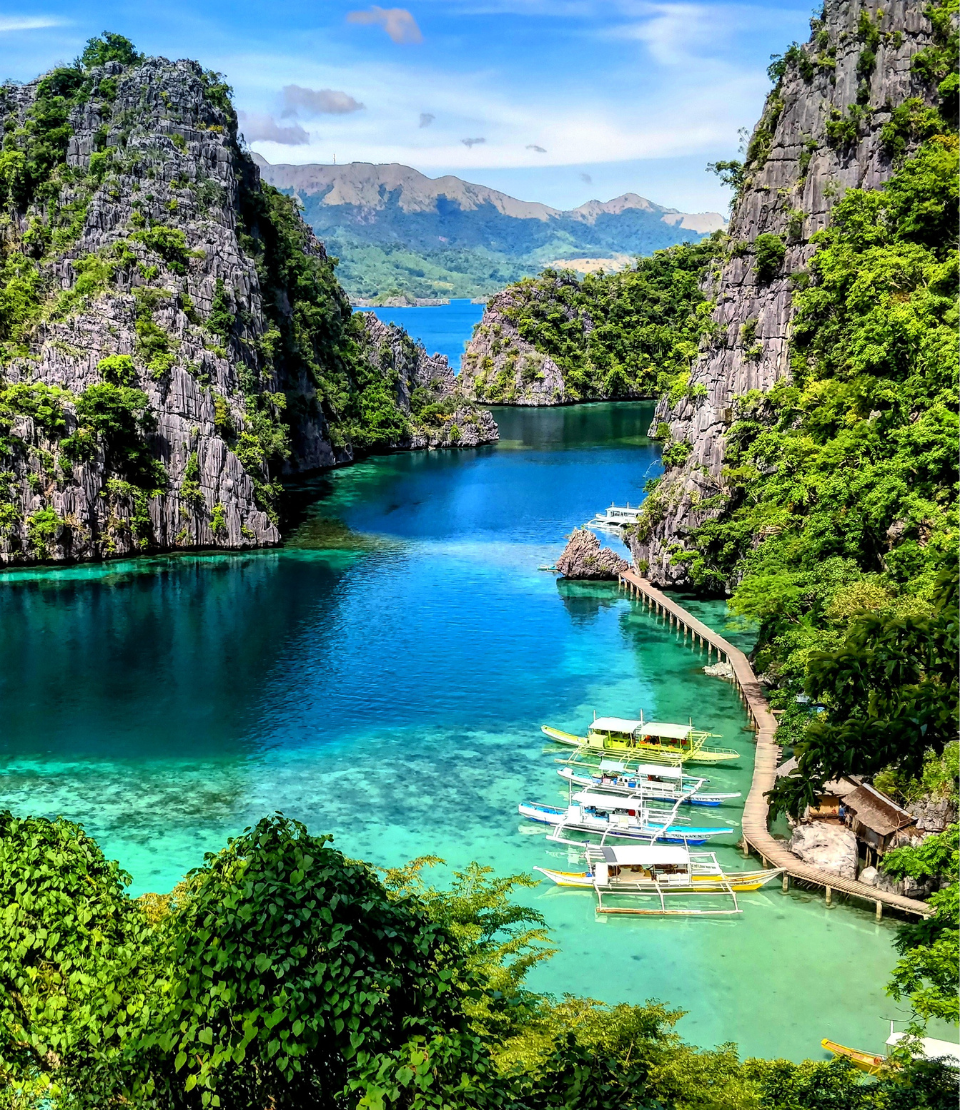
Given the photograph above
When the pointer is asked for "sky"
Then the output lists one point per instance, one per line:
(559, 101)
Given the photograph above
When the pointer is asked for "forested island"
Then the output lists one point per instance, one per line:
(175, 342)
(173, 338)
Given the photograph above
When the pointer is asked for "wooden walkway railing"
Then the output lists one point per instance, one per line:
(756, 835)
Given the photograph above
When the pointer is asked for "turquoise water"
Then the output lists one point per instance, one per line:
(442, 329)
(383, 677)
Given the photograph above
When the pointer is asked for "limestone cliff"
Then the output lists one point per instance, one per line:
(560, 339)
(172, 336)
(823, 131)
(501, 366)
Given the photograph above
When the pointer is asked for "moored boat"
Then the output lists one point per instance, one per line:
(656, 741)
(648, 781)
(870, 1062)
(656, 873)
(620, 817)
(615, 518)
(924, 1048)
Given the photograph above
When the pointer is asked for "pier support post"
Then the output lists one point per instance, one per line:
(786, 882)
(829, 895)
(879, 909)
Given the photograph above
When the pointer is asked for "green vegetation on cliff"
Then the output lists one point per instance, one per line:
(282, 974)
(294, 378)
(835, 517)
(629, 333)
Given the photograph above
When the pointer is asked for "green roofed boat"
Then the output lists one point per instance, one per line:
(652, 741)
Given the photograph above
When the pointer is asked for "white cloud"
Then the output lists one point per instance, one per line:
(677, 32)
(313, 102)
(397, 22)
(27, 23)
(260, 128)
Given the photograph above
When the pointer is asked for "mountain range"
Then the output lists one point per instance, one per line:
(404, 237)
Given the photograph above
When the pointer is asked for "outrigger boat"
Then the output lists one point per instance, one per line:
(658, 872)
(608, 815)
(656, 741)
(925, 1048)
(648, 781)
(615, 518)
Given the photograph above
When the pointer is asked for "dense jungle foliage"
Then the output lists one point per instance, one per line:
(282, 974)
(630, 333)
(835, 517)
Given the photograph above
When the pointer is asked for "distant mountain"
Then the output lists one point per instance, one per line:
(403, 236)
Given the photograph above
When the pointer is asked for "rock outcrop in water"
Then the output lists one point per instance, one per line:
(172, 336)
(583, 557)
(824, 130)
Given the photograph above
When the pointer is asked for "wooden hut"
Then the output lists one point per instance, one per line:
(874, 818)
(829, 799)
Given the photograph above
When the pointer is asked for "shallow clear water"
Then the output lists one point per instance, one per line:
(442, 329)
(383, 677)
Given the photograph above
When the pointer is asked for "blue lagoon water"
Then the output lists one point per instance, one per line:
(384, 677)
(442, 329)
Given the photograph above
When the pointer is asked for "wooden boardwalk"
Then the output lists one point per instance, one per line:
(756, 835)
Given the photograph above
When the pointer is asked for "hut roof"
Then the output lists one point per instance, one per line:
(877, 811)
(839, 788)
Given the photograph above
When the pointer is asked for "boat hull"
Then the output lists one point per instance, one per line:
(657, 792)
(741, 882)
(668, 754)
(670, 834)
(870, 1062)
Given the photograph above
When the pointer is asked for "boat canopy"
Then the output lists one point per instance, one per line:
(644, 728)
(931, 1048)
(647, 855)
(641, 769)
(606, 801)
(668, 732)
(614, 724)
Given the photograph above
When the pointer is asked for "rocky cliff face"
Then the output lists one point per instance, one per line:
(499, 365)
(172, 336)
(822, 132)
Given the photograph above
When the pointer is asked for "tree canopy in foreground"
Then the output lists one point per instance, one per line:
(281, 974)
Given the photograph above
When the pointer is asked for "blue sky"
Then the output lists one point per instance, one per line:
(558, 100)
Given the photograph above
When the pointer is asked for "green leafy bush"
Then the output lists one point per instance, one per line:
(117, 369)
(769, 252)
(44, 404)
(170, 243)
(109, 47)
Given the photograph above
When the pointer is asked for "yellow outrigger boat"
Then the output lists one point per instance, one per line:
(658, 879)
(873, 1063)
(653, 741)
(870, 1062)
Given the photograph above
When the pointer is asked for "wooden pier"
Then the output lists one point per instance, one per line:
(756, 835)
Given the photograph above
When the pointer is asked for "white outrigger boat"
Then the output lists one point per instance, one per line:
(615, 518)
(656, 741)
(647, 781)
(609, 815)
(659, 872)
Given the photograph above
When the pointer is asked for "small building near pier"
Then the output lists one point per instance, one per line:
(829, 799)
(874, 818)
